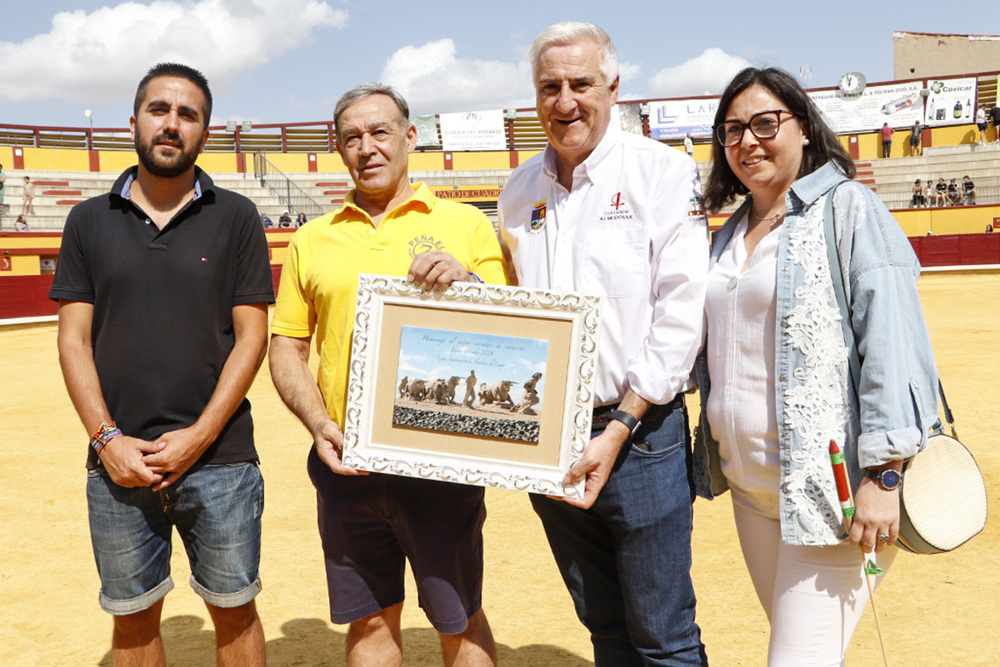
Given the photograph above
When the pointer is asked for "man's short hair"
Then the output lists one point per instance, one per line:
(571, 32)
(365, 90)
(178, 71)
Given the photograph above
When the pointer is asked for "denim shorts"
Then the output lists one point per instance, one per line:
(370, 525)
(216, 510)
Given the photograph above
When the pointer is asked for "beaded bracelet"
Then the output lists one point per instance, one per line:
(105, 434)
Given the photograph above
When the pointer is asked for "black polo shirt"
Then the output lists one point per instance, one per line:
(163, 300)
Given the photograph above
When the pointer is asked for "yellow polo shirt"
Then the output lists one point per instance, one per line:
(319, 279)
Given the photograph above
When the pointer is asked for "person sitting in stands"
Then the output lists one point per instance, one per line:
(300, 220)
(285, 220)
(918, 194)
(21, 225)
(968, 190)
(954, 196)
(940, 193)
(929, 197)
(266, 221)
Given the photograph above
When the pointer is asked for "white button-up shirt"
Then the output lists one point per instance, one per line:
(631, 229)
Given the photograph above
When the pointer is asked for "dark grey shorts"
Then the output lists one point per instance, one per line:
(370, 525)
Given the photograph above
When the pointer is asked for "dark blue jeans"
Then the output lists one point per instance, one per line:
(627, 560)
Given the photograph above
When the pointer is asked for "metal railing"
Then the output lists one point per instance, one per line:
(522, 131)
(294, 198)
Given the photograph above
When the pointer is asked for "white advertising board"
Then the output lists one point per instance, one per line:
(673, 119)
(951, 102)
(473, 131)
(900, 105)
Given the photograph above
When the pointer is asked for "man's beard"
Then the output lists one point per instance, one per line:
(164, 167)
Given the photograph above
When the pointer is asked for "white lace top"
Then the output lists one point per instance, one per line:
(740, 311)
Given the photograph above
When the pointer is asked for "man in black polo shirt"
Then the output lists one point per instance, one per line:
(163, 285)
(968, 191)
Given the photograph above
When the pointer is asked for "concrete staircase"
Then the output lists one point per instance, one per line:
(57, 192)
(892, 179)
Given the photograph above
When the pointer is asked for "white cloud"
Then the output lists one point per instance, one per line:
(418, 373)
(705, 74)
(439, 372)
(103, 54)
(628, 71)
(538, 366)
(434, 80)
(412, 358)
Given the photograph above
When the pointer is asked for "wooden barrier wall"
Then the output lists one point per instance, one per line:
(957, 249)
(26, 295)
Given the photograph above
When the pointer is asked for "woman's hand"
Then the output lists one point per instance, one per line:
(876, 513)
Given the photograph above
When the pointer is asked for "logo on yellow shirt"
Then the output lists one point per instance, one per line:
(424, 243)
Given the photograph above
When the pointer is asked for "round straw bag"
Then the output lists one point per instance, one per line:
(942, 498)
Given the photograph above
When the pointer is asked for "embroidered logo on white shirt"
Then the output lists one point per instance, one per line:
(538, 215)
(619, 210)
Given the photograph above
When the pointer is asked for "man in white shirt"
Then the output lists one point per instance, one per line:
(605, 212)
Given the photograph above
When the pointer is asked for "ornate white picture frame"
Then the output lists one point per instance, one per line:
(492, 329)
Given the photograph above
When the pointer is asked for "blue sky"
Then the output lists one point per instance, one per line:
(273, 61)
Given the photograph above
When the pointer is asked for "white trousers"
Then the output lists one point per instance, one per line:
(813, 596)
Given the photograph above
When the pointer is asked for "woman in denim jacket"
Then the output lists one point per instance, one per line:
(780, 382)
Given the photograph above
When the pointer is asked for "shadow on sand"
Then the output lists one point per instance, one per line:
(311, 642)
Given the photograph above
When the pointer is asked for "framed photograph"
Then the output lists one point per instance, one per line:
(478, 384)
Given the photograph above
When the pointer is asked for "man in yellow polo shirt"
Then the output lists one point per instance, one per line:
(371, 524)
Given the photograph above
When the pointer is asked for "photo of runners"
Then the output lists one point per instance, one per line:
(478, 384)
(597, 340)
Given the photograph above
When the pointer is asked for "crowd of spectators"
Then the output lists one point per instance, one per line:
(943, 194)
(284, 220)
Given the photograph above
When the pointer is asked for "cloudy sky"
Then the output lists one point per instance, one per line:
(273, 61)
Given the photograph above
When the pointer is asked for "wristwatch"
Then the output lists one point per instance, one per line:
(631, 423)
(888, 480)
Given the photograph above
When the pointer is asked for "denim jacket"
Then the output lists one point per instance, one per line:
(815, 396)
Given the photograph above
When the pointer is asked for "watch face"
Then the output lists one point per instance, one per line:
(889, 480)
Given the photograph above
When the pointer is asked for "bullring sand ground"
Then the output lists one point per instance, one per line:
(935, 610)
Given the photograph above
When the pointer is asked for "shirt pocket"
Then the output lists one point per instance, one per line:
(616, 262)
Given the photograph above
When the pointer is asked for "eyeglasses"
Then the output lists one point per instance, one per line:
(763, 125)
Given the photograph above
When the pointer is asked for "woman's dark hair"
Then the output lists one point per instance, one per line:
(723, 185)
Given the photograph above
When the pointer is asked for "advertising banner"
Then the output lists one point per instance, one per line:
(899, 104)
(951, 102)
(673, 119)
(427, 132)
(473, 131)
